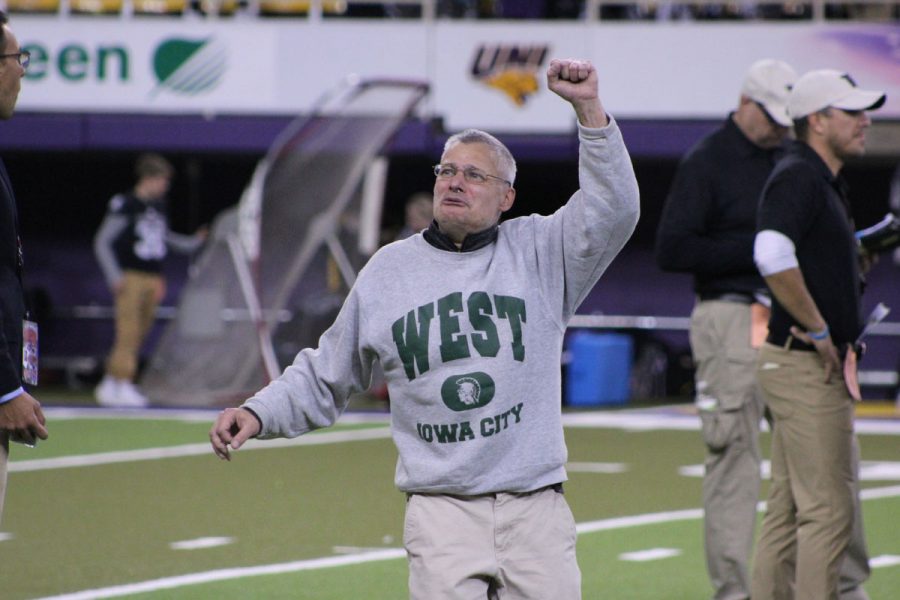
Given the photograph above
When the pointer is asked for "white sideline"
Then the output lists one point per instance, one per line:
(628, 420)
(673, 419)
(166, 583)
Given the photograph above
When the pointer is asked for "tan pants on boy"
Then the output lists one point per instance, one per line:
(136, 304)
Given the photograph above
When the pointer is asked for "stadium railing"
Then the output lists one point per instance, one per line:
(75, 368)
(651, 323)
(429, 10)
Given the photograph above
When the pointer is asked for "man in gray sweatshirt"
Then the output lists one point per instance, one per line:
(467, 321)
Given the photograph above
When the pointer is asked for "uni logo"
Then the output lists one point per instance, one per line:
(189, 67)
(512, 69)
(468, 391)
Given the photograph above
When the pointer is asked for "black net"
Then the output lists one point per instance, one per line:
(278, 267)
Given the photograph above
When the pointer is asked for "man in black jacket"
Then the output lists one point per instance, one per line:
(707, 229)
(21, 418)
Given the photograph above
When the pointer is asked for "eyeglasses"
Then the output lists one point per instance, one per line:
(471, 174)
(23, 57)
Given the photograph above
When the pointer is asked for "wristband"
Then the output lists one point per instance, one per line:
(819, 335)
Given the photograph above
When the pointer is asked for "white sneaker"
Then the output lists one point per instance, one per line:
(119, 393)
(107, 392)
(130, 396)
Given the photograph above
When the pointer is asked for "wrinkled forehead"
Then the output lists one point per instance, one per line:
(475, 154)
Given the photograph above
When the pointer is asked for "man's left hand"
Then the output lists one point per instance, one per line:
(576, 81)
(826, 349)
(23, 418)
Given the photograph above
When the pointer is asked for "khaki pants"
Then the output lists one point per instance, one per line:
(730, 407)
(4, 465)
(497, 546)
(813, 499)
(136, 305)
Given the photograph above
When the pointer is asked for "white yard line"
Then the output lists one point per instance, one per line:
(202, 543)
(188, 415)
(168, 583)
(649, 554)
(887, 560)
(638, 520)
(108, 458)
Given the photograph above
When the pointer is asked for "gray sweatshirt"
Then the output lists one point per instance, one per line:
(470, 343)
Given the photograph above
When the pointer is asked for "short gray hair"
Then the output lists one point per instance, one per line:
(4, 19)
(503, 158)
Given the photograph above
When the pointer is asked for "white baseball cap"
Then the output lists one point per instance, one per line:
(822, 88)
(768, 81)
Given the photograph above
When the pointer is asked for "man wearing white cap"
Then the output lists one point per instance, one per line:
(707, 229)
(807, 253)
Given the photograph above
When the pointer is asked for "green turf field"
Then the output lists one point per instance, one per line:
(139, 507)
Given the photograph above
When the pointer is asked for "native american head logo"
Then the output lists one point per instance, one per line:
(510, 68)
(468, 390)
(464, 392)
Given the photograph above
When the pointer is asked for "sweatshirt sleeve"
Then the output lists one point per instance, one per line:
(110, 229)
(582, 238)
(315, 389)
(183, 243)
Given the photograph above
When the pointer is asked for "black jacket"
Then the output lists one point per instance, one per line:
(709, 220)
(12, 300)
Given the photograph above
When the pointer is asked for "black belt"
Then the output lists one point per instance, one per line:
(556, 487)
(736, 297)
(789, 342)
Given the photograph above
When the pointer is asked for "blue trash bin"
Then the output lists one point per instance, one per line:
(599, 369)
